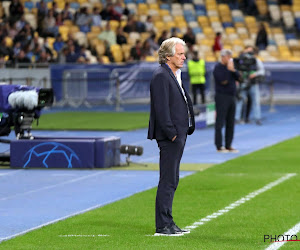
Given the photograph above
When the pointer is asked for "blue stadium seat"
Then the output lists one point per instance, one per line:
(165, 6)
(200, 13)
(75, 5)
(128, 1)
(140, 1)
(238, 19)
(200, 7)
(197, 30)
(188, 13)
(29, 5)
(190, 18)
(227, 24)
(85, 29)
(271, 42)
(290, 36)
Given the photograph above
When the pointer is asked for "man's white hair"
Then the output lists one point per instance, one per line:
(167, 48)
(226, 52)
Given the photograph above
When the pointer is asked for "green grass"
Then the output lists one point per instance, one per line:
(93, 121)
(128, 221)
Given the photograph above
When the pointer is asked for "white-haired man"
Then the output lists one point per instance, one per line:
(225, 77)
(171, 119)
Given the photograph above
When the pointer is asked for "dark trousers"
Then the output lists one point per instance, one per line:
(170, 156)
(225, 109)
(201, 88)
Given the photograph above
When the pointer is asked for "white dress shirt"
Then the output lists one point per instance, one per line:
(178, 77)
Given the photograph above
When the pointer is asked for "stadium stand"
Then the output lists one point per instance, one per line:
(205, 18)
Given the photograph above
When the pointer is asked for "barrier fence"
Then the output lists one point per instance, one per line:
(91, 85)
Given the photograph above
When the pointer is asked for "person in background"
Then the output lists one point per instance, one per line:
(42, 13)
(55, 9)
(261, 38)
(164, 36)
(121, 8)
(254, 93)
(72, 55)
(151, 40)
(96, 18)
(136, 51)
(62, 55)
(108, 35)
(59, 19)
(171, 120)
(22, 58)
(146, 50)
(66, 13)
(133, 25)
(109, 13)
(121, 38)
(189, 37)
(196, 70)
(225, 77)
(49, 24)
(174, 32)
(16, 10)
(83, 20)
(218, 42)
(58, 43)
(149, 26)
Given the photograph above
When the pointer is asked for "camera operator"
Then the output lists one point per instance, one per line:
(249, 88)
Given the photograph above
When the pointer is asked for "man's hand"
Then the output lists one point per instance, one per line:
(253, 75)
(174, 138)
(230, 65)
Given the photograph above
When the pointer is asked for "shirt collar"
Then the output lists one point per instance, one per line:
(177, 73)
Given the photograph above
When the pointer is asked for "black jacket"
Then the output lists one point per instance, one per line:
(169, 110)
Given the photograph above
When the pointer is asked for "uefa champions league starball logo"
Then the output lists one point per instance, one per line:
(51, 151)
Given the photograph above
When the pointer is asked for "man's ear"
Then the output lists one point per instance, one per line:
(168, 58)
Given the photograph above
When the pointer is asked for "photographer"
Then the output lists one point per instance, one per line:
(253, 71)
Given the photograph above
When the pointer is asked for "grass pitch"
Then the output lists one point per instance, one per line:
(93, 121)
(130, 221)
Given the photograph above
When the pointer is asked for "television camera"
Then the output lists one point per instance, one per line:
(246, 64)
(19, 107)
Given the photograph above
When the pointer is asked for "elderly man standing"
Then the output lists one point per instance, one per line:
(225, 86)
(171, 120)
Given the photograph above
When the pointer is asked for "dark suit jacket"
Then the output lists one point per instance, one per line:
(169, 110)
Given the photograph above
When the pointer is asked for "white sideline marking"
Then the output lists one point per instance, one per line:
(240, 201)
(291, 232)
(66, 217)
(84, 235)
(54, 186)
(77, 213)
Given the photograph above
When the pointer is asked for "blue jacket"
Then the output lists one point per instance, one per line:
(169, 110)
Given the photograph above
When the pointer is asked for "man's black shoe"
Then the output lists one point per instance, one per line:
(178, 229)
(167, 231)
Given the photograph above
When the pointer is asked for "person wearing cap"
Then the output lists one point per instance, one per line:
(225, 77)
